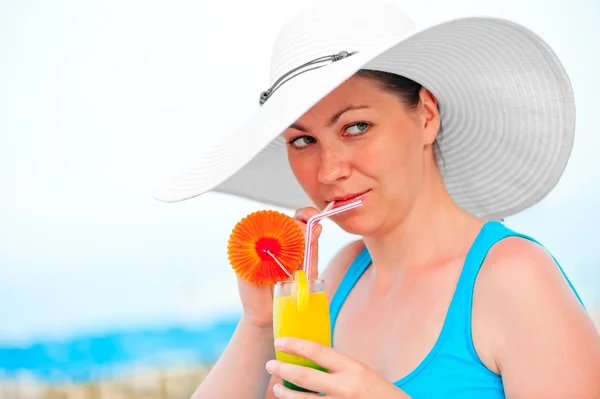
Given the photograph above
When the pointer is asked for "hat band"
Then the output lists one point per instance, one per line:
(308, 66)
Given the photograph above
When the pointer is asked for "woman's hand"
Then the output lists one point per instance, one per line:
(347, 378)
(258, 301)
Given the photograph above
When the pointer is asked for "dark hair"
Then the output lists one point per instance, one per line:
(407, 90)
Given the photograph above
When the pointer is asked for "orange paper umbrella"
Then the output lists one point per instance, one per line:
(255, 236)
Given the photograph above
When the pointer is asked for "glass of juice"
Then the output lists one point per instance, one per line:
(301, 310)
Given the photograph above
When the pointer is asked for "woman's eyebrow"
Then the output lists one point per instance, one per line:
(332, 120)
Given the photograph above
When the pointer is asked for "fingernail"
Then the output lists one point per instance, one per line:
(279, 343)
(277, 389)
(270, 366)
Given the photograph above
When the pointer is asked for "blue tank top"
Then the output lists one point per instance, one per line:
(452, 368)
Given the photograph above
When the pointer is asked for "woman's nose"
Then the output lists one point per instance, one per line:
(333, 166)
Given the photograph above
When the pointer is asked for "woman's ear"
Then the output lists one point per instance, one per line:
(429, 115)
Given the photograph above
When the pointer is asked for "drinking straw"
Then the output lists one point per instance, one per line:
(272, 255)
(312, 222)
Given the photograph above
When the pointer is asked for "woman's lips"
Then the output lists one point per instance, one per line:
(353, 198)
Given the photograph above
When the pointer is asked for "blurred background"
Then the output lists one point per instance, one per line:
(107, 293)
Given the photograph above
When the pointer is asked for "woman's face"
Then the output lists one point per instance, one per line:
(362, 140)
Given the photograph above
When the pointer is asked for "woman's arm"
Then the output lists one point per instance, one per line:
(240, 371)
(541, 339)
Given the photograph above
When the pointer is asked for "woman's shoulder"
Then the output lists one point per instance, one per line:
(528, 308)
(517, 261)
(520, 270)
(338, 266)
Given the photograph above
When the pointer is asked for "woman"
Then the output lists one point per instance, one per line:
(436, 299)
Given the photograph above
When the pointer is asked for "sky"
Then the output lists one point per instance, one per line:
(101, 102)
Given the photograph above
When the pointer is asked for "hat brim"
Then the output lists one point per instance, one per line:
(507, 113)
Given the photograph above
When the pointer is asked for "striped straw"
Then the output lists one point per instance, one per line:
(312, 222)
(272, 255)
(328, 207)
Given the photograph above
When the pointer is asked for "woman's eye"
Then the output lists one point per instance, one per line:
(357, 128)
(303, 141)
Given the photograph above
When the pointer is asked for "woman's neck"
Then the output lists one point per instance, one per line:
(434, 231)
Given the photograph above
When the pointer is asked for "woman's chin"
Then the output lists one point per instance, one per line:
(356, 223)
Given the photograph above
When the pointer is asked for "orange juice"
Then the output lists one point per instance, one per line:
(301, 310)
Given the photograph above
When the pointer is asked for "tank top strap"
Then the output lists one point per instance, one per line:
(460, 311)
(358, 266)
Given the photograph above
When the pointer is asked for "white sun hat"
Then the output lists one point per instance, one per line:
(506, 104)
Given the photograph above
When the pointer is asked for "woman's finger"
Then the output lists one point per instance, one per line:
(322, 355)
(285, 393)
(304, 377)
(303, 214)
(317, 228)
(314, 249)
